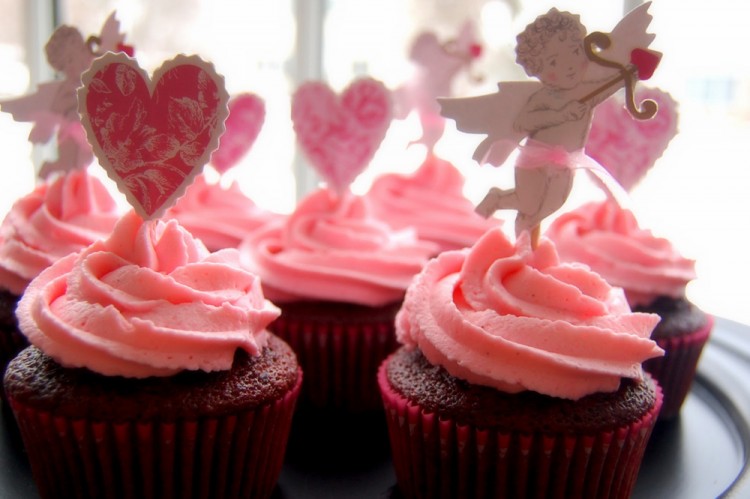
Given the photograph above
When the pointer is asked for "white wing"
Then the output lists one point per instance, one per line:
(36, 108)
(492, 115)
(110, 36)
(630, 33)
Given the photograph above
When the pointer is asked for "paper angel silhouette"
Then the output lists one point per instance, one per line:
(437, 64)
(553, 114)
(53, 108)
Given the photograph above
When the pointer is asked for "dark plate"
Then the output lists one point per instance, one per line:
(704, 453)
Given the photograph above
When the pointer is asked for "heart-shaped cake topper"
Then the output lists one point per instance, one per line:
(246, 114)
(627, 147)
(152, 135)
(340, 135)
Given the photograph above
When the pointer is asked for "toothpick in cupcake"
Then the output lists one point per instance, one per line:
(553, 114)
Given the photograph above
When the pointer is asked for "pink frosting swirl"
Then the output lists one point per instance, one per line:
(220, 217)
(331, 249)
(57, 218)
(516, 319)
(608, 239)
(431, 200)
(148, 301)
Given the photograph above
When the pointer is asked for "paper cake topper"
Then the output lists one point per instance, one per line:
(340, 135)
(246, 115)
(437, 64)
(152, 135)
(53, 108)
(554, 113)
(628, 148)
(110, 39)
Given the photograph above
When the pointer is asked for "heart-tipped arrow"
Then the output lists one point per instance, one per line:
(643, 63)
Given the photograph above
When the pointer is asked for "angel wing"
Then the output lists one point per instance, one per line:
(36, 108)
(492, 115)
(467, 36)
(110, 36)
(630, 33)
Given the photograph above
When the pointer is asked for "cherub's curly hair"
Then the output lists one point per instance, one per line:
(60, 42)
(532, 40)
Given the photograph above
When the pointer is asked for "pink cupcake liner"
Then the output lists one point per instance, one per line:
(340, 361)
(676, 370)
(435, 457)
(234, 456)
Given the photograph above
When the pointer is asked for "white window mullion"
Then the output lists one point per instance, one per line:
(308, 65)
(40, 23)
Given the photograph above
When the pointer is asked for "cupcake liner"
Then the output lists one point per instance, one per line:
(435, 457)
(232, 456)
(676, 369)
(340, 359)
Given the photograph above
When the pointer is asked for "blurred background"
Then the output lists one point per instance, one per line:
(696, 195)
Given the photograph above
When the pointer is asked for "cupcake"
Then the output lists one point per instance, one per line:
(520, 376)
(654, 276)
(151, 372)
(431, 200)
(61, 216)
(220, 217)
(338, 275)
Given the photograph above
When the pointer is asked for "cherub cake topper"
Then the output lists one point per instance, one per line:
(340, 134)
(152, 135)
(437, 65)
(53, 108)
(553, 114)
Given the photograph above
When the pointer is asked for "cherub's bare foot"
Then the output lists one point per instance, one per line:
(491, 202)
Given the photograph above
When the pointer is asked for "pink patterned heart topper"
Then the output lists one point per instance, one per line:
(152, 135)
(246, 115)
(626, 147)
(340, 135)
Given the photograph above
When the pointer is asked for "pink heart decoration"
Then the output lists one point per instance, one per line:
(340, 135)
(152, 135)
(246, 115)
(628, 147)
(646, 61)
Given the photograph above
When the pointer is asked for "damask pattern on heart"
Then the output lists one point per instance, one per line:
(152, 135)
(627, 147)
(340, 135)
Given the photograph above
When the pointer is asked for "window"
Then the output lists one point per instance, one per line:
(696, 195)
